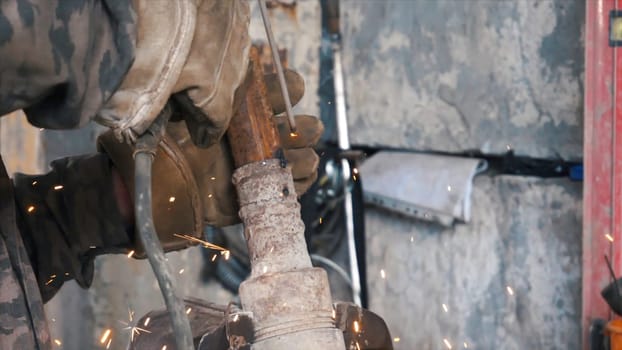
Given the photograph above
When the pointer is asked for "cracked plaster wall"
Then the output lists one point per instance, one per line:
(461, 75)
(525, 236)
(456, 75)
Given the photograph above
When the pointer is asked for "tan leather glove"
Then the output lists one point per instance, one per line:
(192, 186)
(195, 47)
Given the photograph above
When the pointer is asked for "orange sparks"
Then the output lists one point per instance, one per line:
(383, 274)
(130, 254)
(31, 208)
(214, 257)
(58, 187)
(105, 336)
(188, 311)
(356, 327)
(213, 178)
(172, 199)
(609, 237)
(109, 342)
(134, 330)
(447, 343)
(181, 271)
(445, 308)
(58, 342)
(163, 347)
(34, 183)
(48, 282)
(293, 134)
(396, 339)
(146, 323)
(226, 254)
(510, 290)
(206, 244)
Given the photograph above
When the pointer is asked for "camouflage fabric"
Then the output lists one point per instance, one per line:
(51, 233)
(22, 321)
(60, 60)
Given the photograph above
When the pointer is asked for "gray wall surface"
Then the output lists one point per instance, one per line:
(525, 236)
(488, 75)
(466, 74)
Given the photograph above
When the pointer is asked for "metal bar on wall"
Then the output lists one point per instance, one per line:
(603, 176)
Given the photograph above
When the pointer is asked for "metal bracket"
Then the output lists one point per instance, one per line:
(615, 28)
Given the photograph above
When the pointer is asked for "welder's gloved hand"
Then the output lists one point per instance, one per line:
(198, 48)
(192, 185)
(212, 167)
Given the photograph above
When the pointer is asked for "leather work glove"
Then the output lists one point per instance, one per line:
(198, 48)
(192, 186)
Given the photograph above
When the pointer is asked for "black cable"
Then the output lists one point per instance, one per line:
(146, 146)
(358, 217)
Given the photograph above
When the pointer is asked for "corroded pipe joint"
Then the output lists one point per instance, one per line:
(271, 215)
(289, 299)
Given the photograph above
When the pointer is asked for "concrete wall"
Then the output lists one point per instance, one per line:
(509, 280)
(456, 75)
(488, 75)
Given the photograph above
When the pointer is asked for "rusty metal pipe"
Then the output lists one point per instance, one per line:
(289, 299)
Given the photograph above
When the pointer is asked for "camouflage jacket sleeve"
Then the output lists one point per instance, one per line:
(67, 217)
(60, 60)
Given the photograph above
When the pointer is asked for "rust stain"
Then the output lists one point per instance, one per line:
(265, 57)
(289, 7)
(252, 134)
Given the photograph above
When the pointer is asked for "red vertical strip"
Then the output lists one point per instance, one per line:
(617, 156)
(598, 207)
